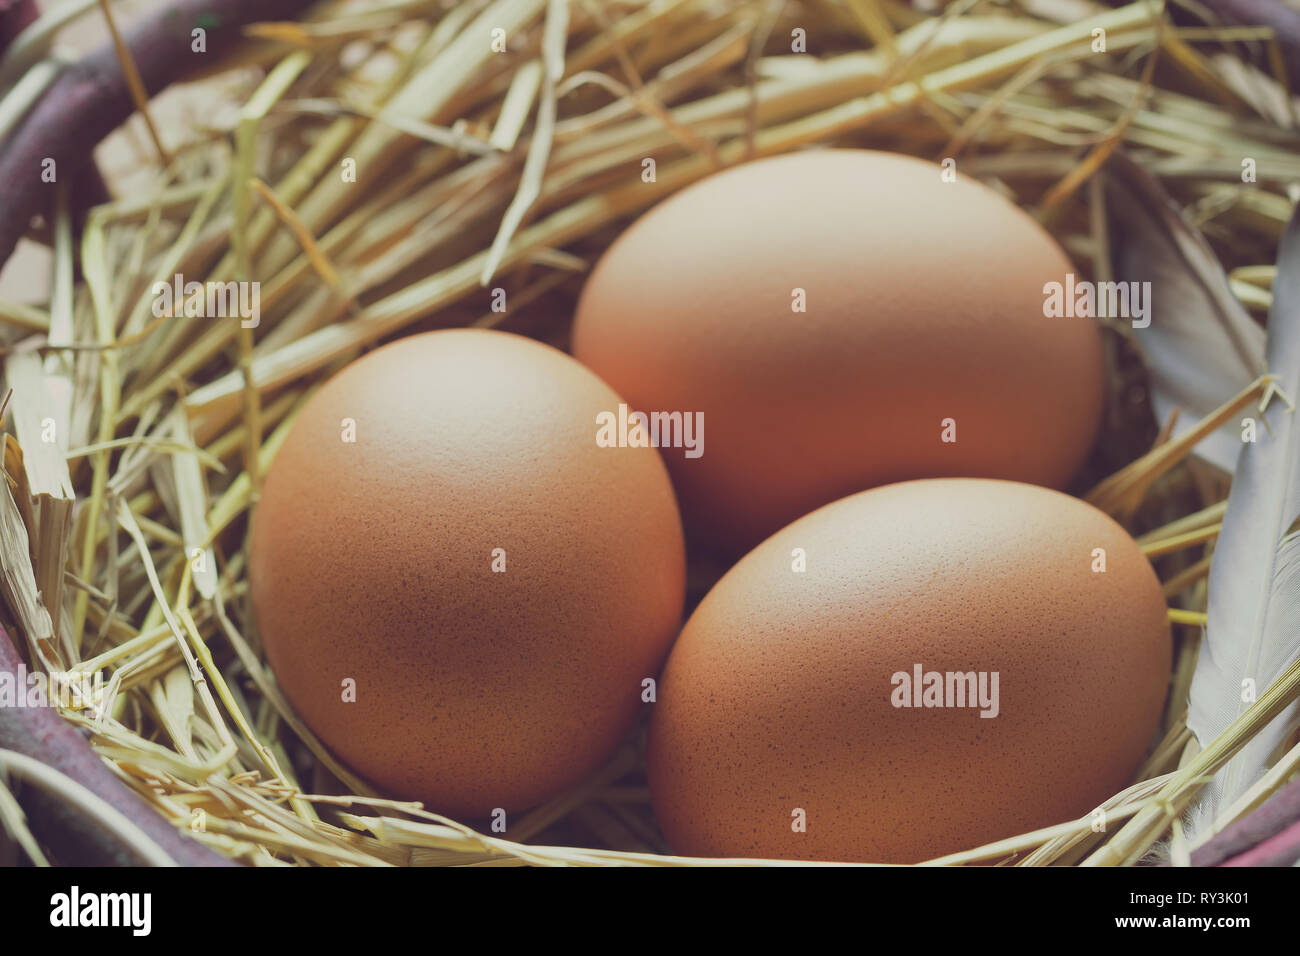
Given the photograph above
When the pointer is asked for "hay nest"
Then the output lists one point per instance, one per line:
(125, 545)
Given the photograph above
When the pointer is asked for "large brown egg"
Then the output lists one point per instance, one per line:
(493, 583)
(836, 315)
(790, 722)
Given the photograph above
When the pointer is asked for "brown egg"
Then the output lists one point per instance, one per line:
(782, 703)
(924, 302)
(379, 561)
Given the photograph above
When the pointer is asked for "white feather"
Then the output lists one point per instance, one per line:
(1253, 623)
(1201, 347)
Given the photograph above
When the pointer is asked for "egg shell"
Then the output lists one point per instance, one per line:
(373, 561)
(924, 302)
(779, 694)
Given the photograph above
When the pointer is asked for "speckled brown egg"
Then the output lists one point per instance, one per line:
(791, 698)
(839, 315)
(442, 538)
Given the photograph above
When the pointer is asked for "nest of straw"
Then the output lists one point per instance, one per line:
(478, 169)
